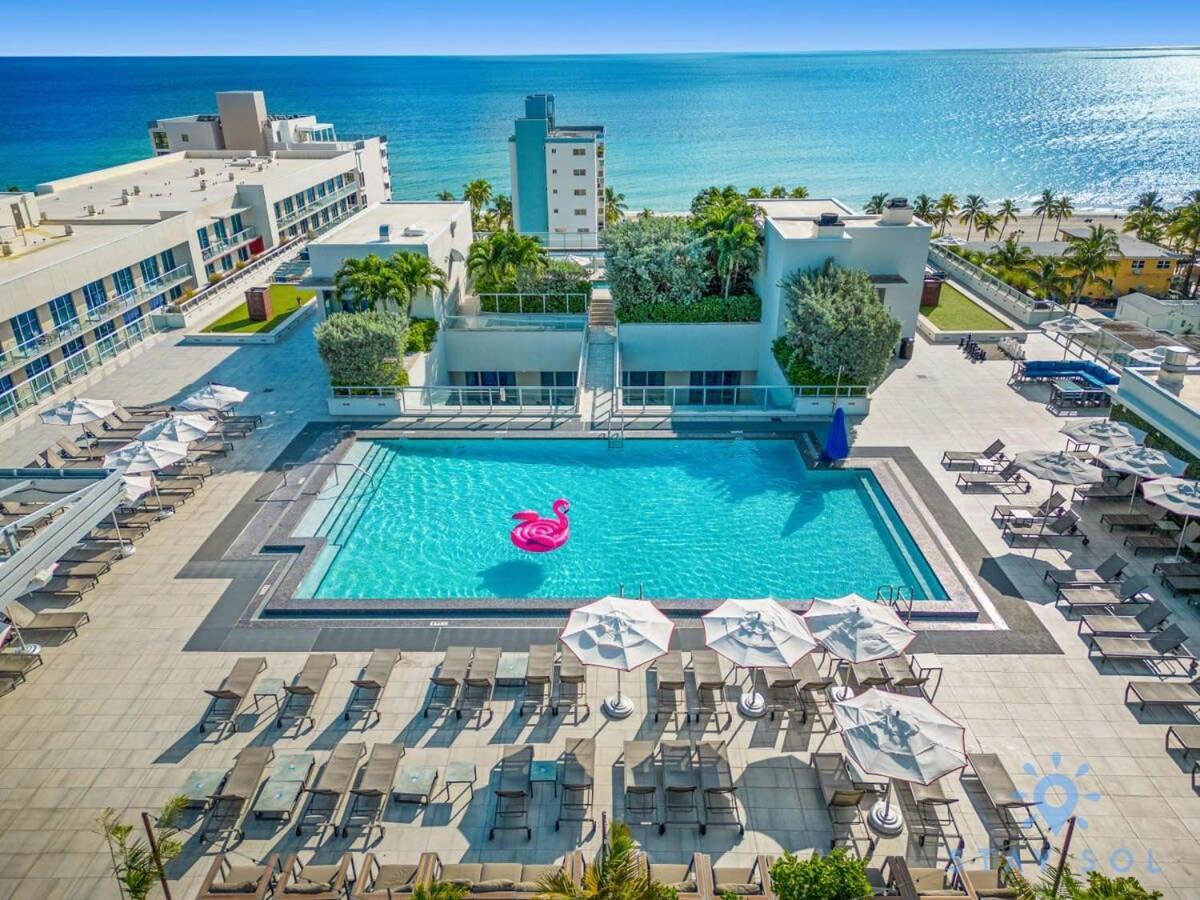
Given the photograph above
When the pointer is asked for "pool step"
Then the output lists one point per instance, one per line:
(362, 486)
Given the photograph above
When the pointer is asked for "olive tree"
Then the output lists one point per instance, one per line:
(364, 349)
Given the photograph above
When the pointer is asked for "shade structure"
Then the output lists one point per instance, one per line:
(79, 411)
(1058, 467)
(1177, 495)
(146, 456)
(617, 633)
(1151, 357)
(1070, 326)
(137, 486)
(1104, 433)
(1142, 463)
(854, 629)
(756, 634)
(217, 397)
(837, 443)
(901, 737)
(183, 428)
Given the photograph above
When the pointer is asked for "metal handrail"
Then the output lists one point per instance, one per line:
(292, 466)
(225, 244)
(315, 206)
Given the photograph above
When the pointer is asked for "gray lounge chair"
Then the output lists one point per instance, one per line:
(232, 693)
(369, 686)
(1012, 809)
(570, 686)
(479, 684)
(325, 795)
(1139, 521)
(225, 880)
(1008, 477)
(934, 809)
(718, 788)
(316, 881)
(1102, 597)
(513, 792)
(842, 798)
(368, 799)
(75, 451)
(1048, 507)
(446, 680)
(1185, 586)
(232, 801)
(23, 508)
(300, 697)
(538, 683)
(14, 663)
(385, 881)
(685, 879)
(993, 452)
(710, 686)
(1043, 531)
(670, 687)
(1108, 572)
(1144, 622)
(1161, 543)
(577, 782)
(1164, 693)
(87, 552)
(1107, 490)
(680, 785)
(640, 798)
(27, 620)
(69, 586)
(1167, 646)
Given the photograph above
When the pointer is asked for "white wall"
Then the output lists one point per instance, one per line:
(687, 347)
(561, 183)
(498, 350)
(1178, 420)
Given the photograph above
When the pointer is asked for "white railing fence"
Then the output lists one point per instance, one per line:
(730, 398)
(451, 399)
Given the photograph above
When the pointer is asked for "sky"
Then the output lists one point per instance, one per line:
(537, 27)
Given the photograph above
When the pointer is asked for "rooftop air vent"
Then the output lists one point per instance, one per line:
(828, 219)
(137, 190)
(385, 233)
(203, 184)
(896, 211)
(414, 231)
(91, 210)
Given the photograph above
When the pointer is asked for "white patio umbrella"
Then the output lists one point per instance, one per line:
(79, 411)
(147, 456)
(1069, 326)
(217, 397)
(1057, 467)
(1152, 357)
(1105, 433)
(183, 428)
(1143, 463)
(617, 633)
(137, 486)
(855, 630)
(755, 634)
(1179, 495)
(899, 737)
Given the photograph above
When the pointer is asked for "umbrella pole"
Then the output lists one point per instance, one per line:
(752, 704)
(126, 549)
(1179, 548)
(616, 706)
(1042, 527)
(162, 513)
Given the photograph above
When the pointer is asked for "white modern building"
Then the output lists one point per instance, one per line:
(1167, 314)
(557, 177)
(240, 123)
(1166, 397)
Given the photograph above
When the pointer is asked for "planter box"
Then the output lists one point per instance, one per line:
(271, 337)
(824, 407)
(371, 407)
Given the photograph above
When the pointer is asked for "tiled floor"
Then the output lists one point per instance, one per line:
(109, 720)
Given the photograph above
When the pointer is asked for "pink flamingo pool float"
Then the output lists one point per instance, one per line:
(538, 535)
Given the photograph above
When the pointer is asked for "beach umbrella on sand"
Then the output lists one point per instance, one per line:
(1178, 495)
(1143, 463)
(215, 397)
(1057, 467)
(756, 634)
(902, 738)
(1069, 326)
(617, 633)
(183, 428)
(79, 411)
(1105, 433)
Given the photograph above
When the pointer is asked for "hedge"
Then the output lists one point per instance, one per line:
(421, 333)
(796, 368)
(738, 308)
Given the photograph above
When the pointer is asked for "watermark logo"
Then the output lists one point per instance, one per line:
(1057, 794)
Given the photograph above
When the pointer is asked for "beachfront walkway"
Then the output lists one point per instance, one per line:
(110, 719)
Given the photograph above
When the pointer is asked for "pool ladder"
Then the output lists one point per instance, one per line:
(899, 597)
(616, 432)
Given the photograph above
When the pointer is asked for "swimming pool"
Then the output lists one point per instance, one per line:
(682, 518)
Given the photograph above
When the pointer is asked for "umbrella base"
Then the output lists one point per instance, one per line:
(617, 706)
(127, 550)
(752, 705)
(885, 818)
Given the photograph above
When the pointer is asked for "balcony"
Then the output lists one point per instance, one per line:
(315, 206)
(232, 242)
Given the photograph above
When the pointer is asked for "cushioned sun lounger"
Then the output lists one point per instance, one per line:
(1187, 586)
(680, 784)
(325, 795)
(82, 569)
(301, 695)
(710, 686)
(1108, 572)
(446, 680)
(1177, 569)
(1164, 693)
(753, 880)
(576, 780)
(369, 686)
(74, 451)
(313, 881)
(513, 791)
(27, 620)
(842, 798)
(386, 881)
(1101, 597)
(231, 802)
(969, 458)
(479, 684)
(1165, 646)
(570, 686)
(539, 679)
(225, 880)
(686, 879)
(718, 789)
(232, 692)
(494, 880)
(1008, 477)
(1107, 490)
(368, 799)
(1048, 507)
(1137, 521)
(1013, 810)
(1143, 622)
(87, 552)
(670, 688)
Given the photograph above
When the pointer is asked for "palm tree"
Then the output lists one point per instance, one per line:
(799, 192)
(875, 205)
(1150, 201)
(1044, 207)
(1007, 213)
(923, 208)
(778, 192)
(614, 874)
(756, 193)
(1145, 223)
(478, 193)
(1090, 259)
(369, 283)
(972, 208)
(1011, 254)
(502, 208)
(1185, 229)
(1048, 278)
(987, 224)
(418, 275)
(1063, 209)
(446, 195)
(737, 250)
(614, 206)
(947, 206)
(495, 262)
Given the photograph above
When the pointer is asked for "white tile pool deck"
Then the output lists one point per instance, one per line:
(110, 719)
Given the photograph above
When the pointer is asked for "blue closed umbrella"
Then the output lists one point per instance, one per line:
(837, 443)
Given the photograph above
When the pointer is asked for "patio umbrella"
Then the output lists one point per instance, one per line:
(1069, 326)
(1149, 358)
(147, 456)
(755, 634)
(216, 397)
(1057, 467)
(900, 737)
(855, 630)
(1178, 495)
(617, 633)
(137, 486)
(1105, 433)
(1142, 463)
(183, 428)
(79, 411)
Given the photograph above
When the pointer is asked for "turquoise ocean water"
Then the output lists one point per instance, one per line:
(1101, 125)
(683, 519)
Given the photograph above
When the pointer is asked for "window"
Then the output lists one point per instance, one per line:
(490, 380)
(71, 347)
(123, 281)
(580, 192)
(235, 222)
(1163, 264)
(39, 365)
(202, 236)
(580, 211)
(168, 260)
(554, 171)
(311, 194)
(226, 263)
(184, 137)
(558, 379)
(579, 151)
(160, 140)
(710, 379)
(1137, 265)
(93, 294)
(132, 316)
(579, 172)
(583, 231)
(554, 150)
(149, 269)
(643, 379)
(62, 310)
(289, 206)
(243, 253)
(219, 229)
(26, 326)
(636, 386)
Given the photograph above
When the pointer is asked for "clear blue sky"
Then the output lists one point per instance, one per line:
(519, 27)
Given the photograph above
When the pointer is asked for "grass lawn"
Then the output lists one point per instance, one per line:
(285, 300)
(957, 312)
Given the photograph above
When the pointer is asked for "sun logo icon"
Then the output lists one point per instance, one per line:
(1057, 793)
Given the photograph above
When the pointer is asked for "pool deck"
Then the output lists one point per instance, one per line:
(110, 719)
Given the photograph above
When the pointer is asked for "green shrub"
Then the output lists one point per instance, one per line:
(796, 368)
(507, 304)
(659, 259)
(835, 876)
(421, 333)
(738, 308)
(364, 348)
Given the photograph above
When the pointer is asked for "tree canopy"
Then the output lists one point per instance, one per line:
(657, 259)
(364, 349)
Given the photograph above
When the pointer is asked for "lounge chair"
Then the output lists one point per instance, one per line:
(1177, 569)
(316, 882)
(842, 797)
(82, 569)
(1165, 646)
(1102, 597)
(369, 686)
(576, 782)
(994, 452)
(69, 586)
(753, 880)
(917, 882)
(479, 684)
(1008, 477)
(905, 672)
(680, 784)
(710, 686)
(1139, 521)
(1161, 543)
(688, 880)
(934, 815)
(670, 688)
(232, 800)
(446, 680)
(1107, 573)
(27, 620)
(990, 883)
(373, 788)
(1006, 801)
(75, 451)
(300, 697)
(1184, 586)
(229, 696)
(325, 795)
(1048, 507)
(1186, 736)
(513, 792)
(1043, 531)
(385, 881)
(779, 686)
(225, 880)
(23, 508)
(570, 686)
(1145, 621)
(88, 552)
(718, 789)
(641, 783)
(1164, 693)
(52, 460)
(538, 683)
(1107, 490)
(19, 664)
(495, 880)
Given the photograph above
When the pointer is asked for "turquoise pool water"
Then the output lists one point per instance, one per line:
(685, 519)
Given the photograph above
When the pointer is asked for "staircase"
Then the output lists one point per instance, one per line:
(600, 311)
(599, 399)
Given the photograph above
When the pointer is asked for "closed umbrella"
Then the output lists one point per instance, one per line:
(79, 411)
(1105, 433)
(899, 737)
(1142, 463)
(1057, 467)
(216, 397)
(617, 633)
(755, 634)
(1069, 326)
(147, 456)
(855, 630)
(1178, 495)
(183, 428)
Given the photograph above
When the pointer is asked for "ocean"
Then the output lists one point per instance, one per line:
(1099, 125)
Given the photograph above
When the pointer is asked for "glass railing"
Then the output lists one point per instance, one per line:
(730, 398)
(450, 400)
(516, 322)
(231, 242)
(533, 304)
(313, 206)
(558, 240)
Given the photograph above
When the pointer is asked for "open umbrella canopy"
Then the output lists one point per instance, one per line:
(1069, 325)
(1104, 433)
(856, 630)
(1151, 357)
(900, 736)
(1144, 462)
(145, 456)
(757, 634)
(137, 486)
(1058, 467)
(215, 397)
(183, 428)
(1178, 495)
(617, 633)
(79, 411)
